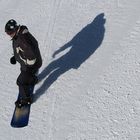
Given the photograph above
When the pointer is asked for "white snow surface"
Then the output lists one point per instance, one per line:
(91, 89)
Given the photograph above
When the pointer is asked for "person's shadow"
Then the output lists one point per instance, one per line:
(82, 46)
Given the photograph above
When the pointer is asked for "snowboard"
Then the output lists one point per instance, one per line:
(21, 115)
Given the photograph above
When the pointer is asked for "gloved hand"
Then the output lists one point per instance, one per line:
(13, 60)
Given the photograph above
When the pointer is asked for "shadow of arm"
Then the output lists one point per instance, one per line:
(61, 49)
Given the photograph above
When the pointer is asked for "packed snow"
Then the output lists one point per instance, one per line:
(90, 78)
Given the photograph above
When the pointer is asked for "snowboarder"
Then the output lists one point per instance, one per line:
(27, 53)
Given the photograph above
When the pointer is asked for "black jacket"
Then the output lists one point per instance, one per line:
(26, 49)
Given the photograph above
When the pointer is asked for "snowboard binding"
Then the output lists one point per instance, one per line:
(23, 102)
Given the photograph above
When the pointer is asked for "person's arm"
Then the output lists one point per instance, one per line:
(26, 52)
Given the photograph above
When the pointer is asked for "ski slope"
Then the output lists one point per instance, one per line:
(90, 88)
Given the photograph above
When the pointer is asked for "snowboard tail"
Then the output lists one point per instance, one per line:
(21, 115)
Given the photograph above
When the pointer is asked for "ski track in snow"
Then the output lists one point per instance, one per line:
(98, 101)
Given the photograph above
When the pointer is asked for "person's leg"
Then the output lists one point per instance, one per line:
(24, 81)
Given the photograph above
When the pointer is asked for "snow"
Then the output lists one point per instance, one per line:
(90, 89)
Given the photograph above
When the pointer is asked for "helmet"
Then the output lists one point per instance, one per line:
(11, 26)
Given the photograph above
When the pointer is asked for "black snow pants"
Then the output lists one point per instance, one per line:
(26, 79)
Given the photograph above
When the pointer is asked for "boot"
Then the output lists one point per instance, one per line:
(18, 103)
(23, 101)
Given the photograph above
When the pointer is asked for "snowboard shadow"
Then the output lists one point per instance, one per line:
(82, 46)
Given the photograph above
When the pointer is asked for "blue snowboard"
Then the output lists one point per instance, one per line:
(21, 115)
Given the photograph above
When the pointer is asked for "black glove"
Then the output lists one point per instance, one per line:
(13, 60)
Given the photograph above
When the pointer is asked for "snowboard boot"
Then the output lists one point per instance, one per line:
(23, 101)
(18, 103)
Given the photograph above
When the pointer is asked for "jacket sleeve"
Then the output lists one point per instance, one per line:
(26, 51)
